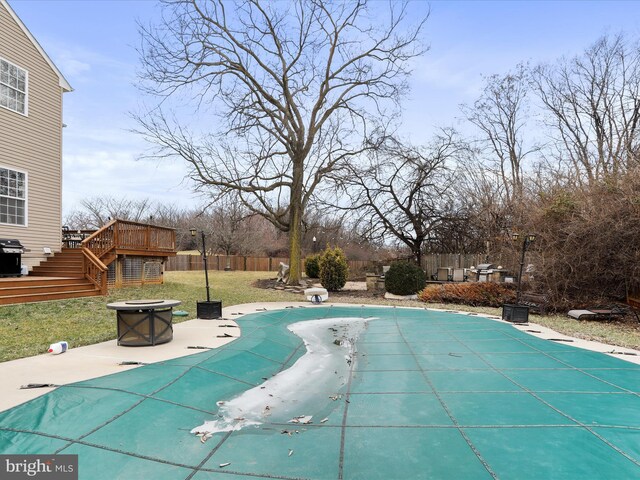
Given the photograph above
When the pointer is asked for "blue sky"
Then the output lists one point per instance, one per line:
(93, 43)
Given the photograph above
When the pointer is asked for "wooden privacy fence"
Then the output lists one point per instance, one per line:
(182, 263)
(430, 263)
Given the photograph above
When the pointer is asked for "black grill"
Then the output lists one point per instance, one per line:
(11, 251)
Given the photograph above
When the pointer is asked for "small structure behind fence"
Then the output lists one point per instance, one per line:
(431, 263)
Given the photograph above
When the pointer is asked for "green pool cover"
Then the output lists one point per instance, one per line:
(430, 395)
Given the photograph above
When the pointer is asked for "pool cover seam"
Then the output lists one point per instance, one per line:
(143, 395)
(281, 363)
(480, 392)
(445, 426)
(343, 429)
(127, 410)
(142, 456)
(446, 409)
(571, 367)
(472, 369)
(350, 426)
(301, 344)
(151, 395)
(98, 446)
(566, 415)
(209, 455)
(230, 377)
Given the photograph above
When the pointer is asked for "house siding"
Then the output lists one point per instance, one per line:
(33, 144)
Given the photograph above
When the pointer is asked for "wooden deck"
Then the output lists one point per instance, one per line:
(80, 268)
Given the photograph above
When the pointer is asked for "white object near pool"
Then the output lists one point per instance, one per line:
(321, 292)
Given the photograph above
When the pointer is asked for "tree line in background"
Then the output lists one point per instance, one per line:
(230, 228)
(308, 146)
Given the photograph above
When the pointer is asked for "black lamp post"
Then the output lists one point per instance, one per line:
(528, 240)
(211, 308)
(517, 313)
(314, 244)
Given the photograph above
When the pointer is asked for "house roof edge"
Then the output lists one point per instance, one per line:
(64, 84)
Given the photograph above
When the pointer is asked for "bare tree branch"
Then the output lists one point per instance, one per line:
(295, 85)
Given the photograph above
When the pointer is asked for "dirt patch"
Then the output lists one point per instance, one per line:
(271, 284)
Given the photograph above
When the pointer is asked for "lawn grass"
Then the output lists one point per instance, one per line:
(28, 329)
(617, 333)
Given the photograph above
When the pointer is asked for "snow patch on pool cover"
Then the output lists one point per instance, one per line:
(302, 389)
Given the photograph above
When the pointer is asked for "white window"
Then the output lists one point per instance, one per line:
(13, 87)
(13, 197)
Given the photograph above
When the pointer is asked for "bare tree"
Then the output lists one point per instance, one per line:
(229, 229)
(96, 212)
(295, 85)
(586, 250)
(406, 192)
(489, 215)
(593, 107)
(500, 113)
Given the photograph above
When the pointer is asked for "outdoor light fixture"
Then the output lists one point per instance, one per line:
(519, 313)
(528, 240)
(314, 244)
(211, 308)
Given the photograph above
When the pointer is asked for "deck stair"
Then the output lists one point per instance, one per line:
(58, 277)
(66, 263)
(39, 289)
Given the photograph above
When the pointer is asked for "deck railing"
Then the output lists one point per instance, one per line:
(94, 270)
(133, 236)
(101, 241)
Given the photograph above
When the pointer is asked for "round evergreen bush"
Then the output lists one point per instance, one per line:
(312, 266)
(334, 269)
(404, 278)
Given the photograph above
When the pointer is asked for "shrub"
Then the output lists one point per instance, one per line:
(334, 269)
(587, 242)
(404, 278)
(312, 266)
(477, 294)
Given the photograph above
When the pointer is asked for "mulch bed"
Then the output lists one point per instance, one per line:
(271, 284)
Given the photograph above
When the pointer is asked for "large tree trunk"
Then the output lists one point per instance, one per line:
(417, 255)
(295, 224)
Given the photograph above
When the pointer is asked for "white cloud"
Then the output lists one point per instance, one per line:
(71, 67)
(79, 63)
(118, 174)
(451, 71)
